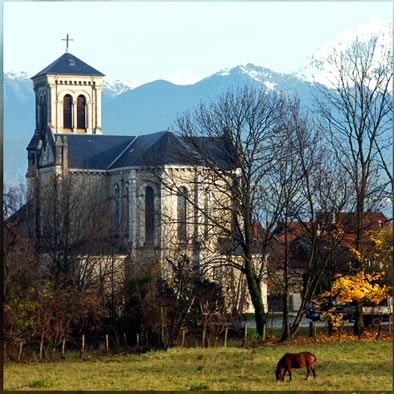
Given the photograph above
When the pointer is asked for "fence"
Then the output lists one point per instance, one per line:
(20, 350)
(202, 336)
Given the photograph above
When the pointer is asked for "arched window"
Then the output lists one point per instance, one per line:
(206, 214)
(116, 208)
(67, 112)
(149, 214)
(127, 212)
(181, 213)
(81, 112)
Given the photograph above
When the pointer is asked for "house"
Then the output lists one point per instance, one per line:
(334, 236)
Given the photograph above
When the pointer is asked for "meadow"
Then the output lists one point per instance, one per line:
(346, 365)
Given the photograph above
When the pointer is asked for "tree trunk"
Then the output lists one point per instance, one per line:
(358, 328)
(286, 318)
(257, 300)
(286, 307)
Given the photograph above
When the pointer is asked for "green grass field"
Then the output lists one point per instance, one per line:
(347, 365)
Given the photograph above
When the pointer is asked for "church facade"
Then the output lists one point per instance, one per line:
(156, 189)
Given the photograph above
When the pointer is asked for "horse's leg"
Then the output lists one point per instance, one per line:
(289, 370)
(313, 372)
(307, 373)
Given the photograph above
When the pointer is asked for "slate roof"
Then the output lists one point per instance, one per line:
(213, 149)
(94, 151)
(155, 149)
(104, 152)
(68, 64)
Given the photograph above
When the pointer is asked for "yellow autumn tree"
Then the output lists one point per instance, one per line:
(357, 288)
(360, 287)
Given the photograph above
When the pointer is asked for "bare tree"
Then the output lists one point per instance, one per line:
(295, 161)
(280, 164)
(302, 183)
(20, 273)
(358, 114)
(78, 253)
(242, 123)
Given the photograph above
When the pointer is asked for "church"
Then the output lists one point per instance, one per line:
(155, 186)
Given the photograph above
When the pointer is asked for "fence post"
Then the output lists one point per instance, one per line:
(225, 337)
(125, 341)
(83, 345)
(246, 334)
(203, 336)
(63, 346)
(162, 325)
(183, 336)
(106, 343)
(20, 350)
(312, 329)
(41, 347)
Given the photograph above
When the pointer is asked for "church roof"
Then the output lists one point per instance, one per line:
(105, 152)
(154, 150)
(94, 151)
(68, 64)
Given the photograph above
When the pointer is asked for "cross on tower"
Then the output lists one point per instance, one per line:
(67, 39)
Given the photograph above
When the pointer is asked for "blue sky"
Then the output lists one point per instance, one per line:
(177, 41)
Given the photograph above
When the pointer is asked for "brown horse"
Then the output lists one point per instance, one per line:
(295, 360)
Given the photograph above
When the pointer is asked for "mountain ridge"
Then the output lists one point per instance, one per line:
(134, 110)
(129, 108)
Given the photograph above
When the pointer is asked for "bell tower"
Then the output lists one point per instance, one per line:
(67, 101)
(68, 96)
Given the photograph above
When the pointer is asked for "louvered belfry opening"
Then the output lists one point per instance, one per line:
(67, 112)
(81, 112)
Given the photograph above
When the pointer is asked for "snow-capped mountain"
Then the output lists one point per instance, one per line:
(131, 109)
(18, 85)
(266, 77)
(318, 67)
(116, 87)
(18, 75)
